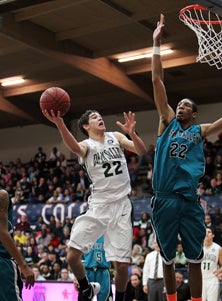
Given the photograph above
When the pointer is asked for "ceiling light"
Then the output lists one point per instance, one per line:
(12, 81)
(6, 1)
(142, 56)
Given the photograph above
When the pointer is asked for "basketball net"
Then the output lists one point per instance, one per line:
(208, 29)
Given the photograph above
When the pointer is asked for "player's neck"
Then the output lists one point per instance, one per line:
(208, 243)
(98, 136)
(186, 125)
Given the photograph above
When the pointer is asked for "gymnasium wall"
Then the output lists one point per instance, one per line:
(23, 142)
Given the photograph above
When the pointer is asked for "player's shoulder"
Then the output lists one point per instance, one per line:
(216, 245)
(115, 137)
(4, 200)
(112, 133)
(3, 194)
(119, 136)
(84, 143)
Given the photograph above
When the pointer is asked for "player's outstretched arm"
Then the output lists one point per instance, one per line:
(79, 148)
(211, 128)
(160, 96)
(129, 127)
(8, 242)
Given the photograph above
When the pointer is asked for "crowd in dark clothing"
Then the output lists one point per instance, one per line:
(54, 179)
(44, 181)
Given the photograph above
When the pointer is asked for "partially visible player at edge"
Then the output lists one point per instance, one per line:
(98, 270)
(109, 212)
(10, 280)
(179, 164)
(211, 267)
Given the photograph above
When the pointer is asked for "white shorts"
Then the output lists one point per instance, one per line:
(112, 220)
(210, 291)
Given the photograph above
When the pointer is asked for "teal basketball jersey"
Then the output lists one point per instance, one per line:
(3, 252)
(10, 278)
(96, 257)
(179, 160)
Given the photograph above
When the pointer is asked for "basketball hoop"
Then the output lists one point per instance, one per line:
(208, 29)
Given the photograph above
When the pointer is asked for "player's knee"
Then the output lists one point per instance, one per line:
(73, 255)
(121, 266)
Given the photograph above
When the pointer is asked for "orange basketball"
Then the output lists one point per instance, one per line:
(55, 99)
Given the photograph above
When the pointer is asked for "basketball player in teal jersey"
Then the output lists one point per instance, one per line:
(10, 280)
(179, 164)
(109, 212)
(97, 270)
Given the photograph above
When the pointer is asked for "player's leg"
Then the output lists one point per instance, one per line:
(213, 289)
(87, 289)
(170, 281)
(195, 279)
(74, 260)
(10, 281)
(102, 276)
(118, 243)
(165, 220)
(82, 237)
(121, 279)
(204, 290)
(193, 232)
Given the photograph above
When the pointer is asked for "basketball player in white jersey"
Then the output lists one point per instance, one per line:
(110, 209)
(210, 267)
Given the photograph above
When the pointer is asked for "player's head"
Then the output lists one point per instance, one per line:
(209, 234)
(84, 119)
(186, 110)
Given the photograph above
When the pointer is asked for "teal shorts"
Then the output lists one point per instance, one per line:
(174, 216)
(10, 281)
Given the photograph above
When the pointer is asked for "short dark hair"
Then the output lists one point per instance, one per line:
(211, 228)
(194, 105)
(84, 119)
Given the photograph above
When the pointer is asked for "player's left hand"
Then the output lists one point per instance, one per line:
(51, 116)
(29, 276)
(130, 123)
(218, 274)
(157, 34)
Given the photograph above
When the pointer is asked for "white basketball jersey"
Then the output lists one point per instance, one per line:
(209, 263)
(106, 166)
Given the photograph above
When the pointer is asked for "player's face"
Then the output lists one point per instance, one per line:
(96, 122)
(184, 111)
(209, 234)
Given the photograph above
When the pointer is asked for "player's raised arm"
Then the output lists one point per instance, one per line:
(79, 148)
(135, 145)
(160, 96)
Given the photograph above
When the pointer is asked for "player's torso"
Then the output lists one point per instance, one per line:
(209, 263)
(107, 170)
(3, 251)
(179, 159)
